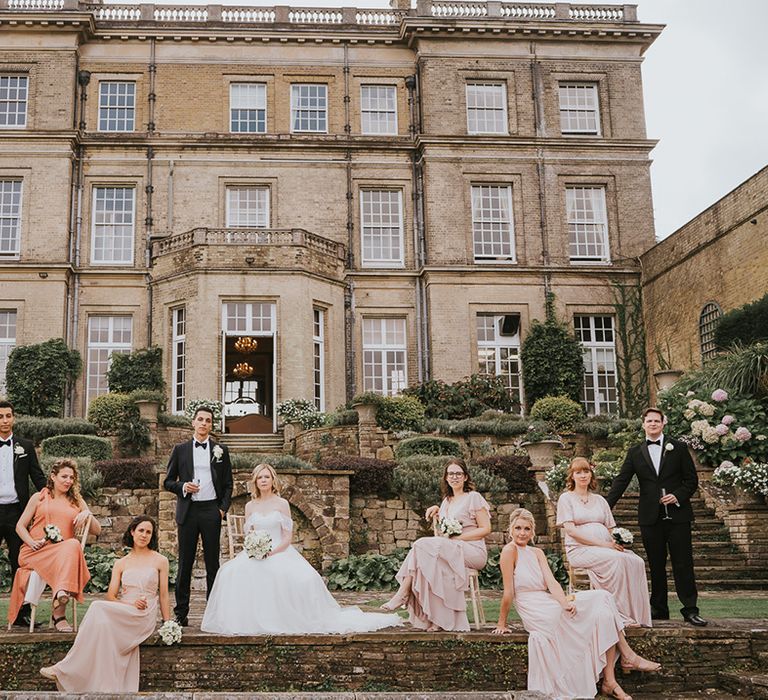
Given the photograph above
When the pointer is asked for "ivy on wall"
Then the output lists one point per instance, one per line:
(631, 359)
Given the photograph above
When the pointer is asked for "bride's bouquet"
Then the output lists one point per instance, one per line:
(170, 632)
(622, 536)
(257, 544)
(449, 526)
(52, 533)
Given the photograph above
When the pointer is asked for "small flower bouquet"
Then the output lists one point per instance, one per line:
(622, 536)
(170, 632)
(449, 526)
(257, 544)
(52, 533)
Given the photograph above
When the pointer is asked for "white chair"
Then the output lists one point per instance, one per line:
(235, 534)
(36, 585)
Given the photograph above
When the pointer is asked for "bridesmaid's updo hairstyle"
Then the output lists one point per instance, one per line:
(445, 488)
(522, 514)
(255, 493)
(73, 495)
(580, 464)
(138, 520)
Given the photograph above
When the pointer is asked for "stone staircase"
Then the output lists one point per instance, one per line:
(269, 443)
(718, 563)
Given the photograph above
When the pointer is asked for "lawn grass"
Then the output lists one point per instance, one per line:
(43, 613)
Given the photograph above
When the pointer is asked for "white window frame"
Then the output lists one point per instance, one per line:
(587, 226)
(318, 357)
(248, 318)
(96, 383)
(110, 117)
(595, 353)
(386, 360)
(372, 116)
(574, 110)
(11, 201)
(478, 113)
(483, 225)
(320, 113)
(495, 348)
(8, 328)
(105, 224)
(252, 101)
(178, 359)
(238, 195)
(390, 237)
(14, 95)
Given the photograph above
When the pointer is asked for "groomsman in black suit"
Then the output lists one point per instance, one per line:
(667, 478)
(18, 464)
(200, 474)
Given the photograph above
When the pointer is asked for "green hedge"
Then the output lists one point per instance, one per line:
(128, 473)
(466, 398)
(37, 429)
(435, 446)
(561, 413)
(140, 369)
(371, 476)
(248, 460)
(748, 324)
(97, 448)
(109, 412)
(400, 413)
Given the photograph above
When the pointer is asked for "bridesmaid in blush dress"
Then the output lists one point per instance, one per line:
(105, 655)
(587, 520)
(433, 577)
(571, 640)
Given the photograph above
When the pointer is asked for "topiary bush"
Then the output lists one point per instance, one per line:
(746, 325)
(37, 429)
(512, 468)
(365, 572)
(109, 412)
(128, 473)
(97, 448)
(140, 369)
(559, 412)
(400, 413)
(371, 476)
(425, 445)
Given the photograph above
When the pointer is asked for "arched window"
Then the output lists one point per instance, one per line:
(708, 319)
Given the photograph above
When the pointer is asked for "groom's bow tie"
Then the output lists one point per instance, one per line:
(201, 444)
(653, 442)
(5, 443)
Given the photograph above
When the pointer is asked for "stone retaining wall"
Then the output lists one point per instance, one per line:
(115, 508)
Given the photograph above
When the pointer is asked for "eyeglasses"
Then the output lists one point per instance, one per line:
(455, 475)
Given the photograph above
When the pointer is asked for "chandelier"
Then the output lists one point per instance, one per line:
(242, 370)
(246, 344)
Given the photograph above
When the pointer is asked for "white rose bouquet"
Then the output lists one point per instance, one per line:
(170, 632)
(52, 533)
(449, 526)
(257, 544)
(622, 536)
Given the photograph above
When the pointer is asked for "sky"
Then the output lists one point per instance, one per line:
(705, 82)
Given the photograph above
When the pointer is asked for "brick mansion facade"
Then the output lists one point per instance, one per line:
(315, 202)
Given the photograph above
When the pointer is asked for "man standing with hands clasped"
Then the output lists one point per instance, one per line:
(667, 478)
(200, 474)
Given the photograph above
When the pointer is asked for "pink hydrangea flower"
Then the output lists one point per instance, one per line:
(719, 395)
(721, 429)
(727, 420)
(742, 434)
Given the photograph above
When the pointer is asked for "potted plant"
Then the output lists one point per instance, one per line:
(148, 402)
(665, 376)
(541, 443)
(298, 415)
(366, 405)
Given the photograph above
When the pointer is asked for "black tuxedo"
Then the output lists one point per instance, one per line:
(677, 475)
(197, 519)
(25, 468)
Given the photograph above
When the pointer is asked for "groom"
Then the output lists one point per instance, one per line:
(667, 478)
(200, 474)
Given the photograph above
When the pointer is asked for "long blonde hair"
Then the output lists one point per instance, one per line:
(522, 514)
(255, 493)
(73, 495)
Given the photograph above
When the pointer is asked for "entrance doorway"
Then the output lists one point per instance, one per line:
(248, 384)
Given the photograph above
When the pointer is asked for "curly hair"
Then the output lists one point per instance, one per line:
(73, 495)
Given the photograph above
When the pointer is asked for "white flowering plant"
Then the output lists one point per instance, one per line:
(257, 544)
(301, 411)
(170, 632)
(52, 533)
(449, 526)
(214, 406)
(752, 476)
(622, 536)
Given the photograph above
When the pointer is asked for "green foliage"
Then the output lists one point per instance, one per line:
(489, 423)
(558, 568)
(367, 398)
(341, 416)
(215, 406)
(108, 412)
(747, 324)
(559, 412)
(147, 395)
(5, 570)
(512, 468)
(630, 349)
(743, 370)
(97, 448)
(173, 421)
(602, 426)
(363, 572)
(37, 377)
(37, 429)
(133, 436)
(400, 413)
(555, 476)
(101, 561)
(140, 369)
(490, 576)
(128, 473)
(467, 398)
(371, 476)
(248, 460)
(553, 363)
(538, 431)
(300, 411)
(426, 445)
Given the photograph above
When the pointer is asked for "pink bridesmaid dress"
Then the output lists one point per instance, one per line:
(565, 654)
(619, 573)
(439, 566)
(105, 655)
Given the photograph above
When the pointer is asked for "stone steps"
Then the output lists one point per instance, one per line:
(269, 443)
(745, 684)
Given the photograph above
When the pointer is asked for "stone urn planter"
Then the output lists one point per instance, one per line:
(747, 498)
(148, 409)
(542, 455)
(665, 378)
(291, 430)
(366, 412)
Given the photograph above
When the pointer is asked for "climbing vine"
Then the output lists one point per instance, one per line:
(632, 362)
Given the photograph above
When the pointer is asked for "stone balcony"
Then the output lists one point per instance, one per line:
(245, 249)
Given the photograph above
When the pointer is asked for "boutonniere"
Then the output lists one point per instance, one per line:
(669, 447)
(217, 452)
(19, 451)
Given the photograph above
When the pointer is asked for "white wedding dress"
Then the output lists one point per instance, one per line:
(281, 594)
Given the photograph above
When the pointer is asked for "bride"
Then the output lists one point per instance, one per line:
(282, 593)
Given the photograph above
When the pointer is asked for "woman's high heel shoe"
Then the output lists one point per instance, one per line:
(615, 692)
(396, 601)
(638, 663)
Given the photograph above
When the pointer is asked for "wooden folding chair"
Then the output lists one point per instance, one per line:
(235, 534)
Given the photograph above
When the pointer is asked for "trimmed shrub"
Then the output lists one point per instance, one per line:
(147, 395)
(109, 412)
(371, 476)
(97, 448)
(559, 412)
(341, 416)
(90, 479)
(400, 413)
(128, 473)
(748, 324)
(134, 436)
(602, 426)
(140, 369)
(467, 398)
(248, 460)
(173, 421)
(424, 445)
(37, 429)
(513, 469)
(365, 572)
(504, 425)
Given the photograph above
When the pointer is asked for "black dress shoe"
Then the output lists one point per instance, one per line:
(659, 616)
(183, 621)
(24, 620)
(695, 620)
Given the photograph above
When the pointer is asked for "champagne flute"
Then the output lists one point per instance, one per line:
(666, 508)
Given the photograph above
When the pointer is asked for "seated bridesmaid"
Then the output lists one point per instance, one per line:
(571, 640)
(60, 564)
(433, 577)
(587, 520)
(105, 655)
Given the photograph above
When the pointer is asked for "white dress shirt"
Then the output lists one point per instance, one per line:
(201, 458)
(655, 451)
(7, 484)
